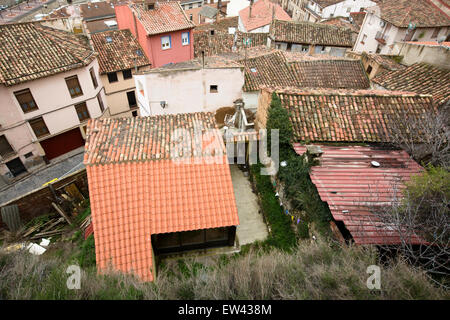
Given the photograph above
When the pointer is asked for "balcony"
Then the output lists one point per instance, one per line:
(381, 37)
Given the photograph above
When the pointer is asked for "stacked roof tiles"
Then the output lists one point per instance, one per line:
(403, 12)
(138, 187)
(29, 51)
(252, 39)
(267, 70)
(357, 192)
(419, 77)
(118, 50)
(348, 74)
(214, 38)
(166, 17)
(310, 33)
(350, 116)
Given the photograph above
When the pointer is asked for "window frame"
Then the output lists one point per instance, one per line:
(170, 42)
(127, 70)
(109, 75)
(82, 105)
(75, 95)
(36, 120)
(100, 103)
(188, 38)
(93, 77)
(23, 92)
(8, 153)
(212, 90)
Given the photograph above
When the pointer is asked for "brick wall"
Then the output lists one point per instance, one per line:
(39, 201)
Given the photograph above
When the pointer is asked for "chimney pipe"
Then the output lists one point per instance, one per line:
(250, 9)
(203, 59)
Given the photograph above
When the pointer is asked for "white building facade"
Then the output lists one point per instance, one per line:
(317, 10)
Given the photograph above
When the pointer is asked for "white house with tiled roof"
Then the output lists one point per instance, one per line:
(394, 21)
(49, 88)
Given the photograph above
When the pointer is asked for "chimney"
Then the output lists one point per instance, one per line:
(250, 9)
(219, 6)
(203, 59)
(273, 11)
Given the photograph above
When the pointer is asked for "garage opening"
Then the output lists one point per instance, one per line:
(62, 143)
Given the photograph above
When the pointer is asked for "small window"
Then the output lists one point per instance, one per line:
(185, 38)
(131, 97)
(127, 74)
(112, 77)
(39, 127)
(211, 32)
(26, 100)
(190, 17)
(94, 79)
(82, 111)
(213, 89)
(134, 113)
(364, 39)
(191, 6)
(435, 32)
(74, 86)
(369, 70)
(100, 103)
(28, 155)
(5, 147)
(165, 43)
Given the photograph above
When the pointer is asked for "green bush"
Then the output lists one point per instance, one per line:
(282, 235)
(278, 118)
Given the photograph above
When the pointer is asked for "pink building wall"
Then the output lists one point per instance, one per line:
(152, 44)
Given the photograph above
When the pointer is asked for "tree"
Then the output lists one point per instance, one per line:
(278, 118)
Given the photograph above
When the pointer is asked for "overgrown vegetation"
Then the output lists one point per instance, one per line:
(309, 271)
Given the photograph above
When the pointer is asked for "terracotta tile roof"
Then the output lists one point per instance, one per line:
(261, 15)
(29, 51)
(215, 44)
(386, 61)
(120, 53)
(168, 17)
(353, 188)
(347, 74)
(219, 26)
(430, 43)
(402, 12)
(97, 10)
(310, 33)
(326, 3)
(267, 70)
(419, 77)
(340, 22)
(136, 190)
(256, 38)
(100, 25)
(349, 115)
(357, 19)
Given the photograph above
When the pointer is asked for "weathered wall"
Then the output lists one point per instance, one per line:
(39, 201)
(264, 100)
(438, 56)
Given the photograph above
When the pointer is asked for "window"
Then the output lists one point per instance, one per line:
(190, 17)
(112, 77)
(74, 86)
(213, 89)
(349, 9)
(165, 42)
(435, 32)
(127, 74)
(211, 32)
(185, 38)
(28, 155)
(16, 167)
(131, 97)
(5, 147)
(364, 38)
(94, 79)
(369, 70)
(134, 113)
(26, 100)
(39, 127)
(191, 6)
(100, 103)
(82, 111)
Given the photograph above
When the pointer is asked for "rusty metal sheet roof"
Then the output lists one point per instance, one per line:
(352, 187)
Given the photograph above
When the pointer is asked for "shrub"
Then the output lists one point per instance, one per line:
(278, 118)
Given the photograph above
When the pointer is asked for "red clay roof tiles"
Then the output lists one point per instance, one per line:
(136, 190)
(353, 188)
(262, 12)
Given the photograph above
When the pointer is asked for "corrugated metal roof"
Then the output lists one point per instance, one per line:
(352, 187)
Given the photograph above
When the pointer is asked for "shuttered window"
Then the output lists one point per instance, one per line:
(82, 111)
(26, 101)
(94, 79)
(74, 86)
(39, 127)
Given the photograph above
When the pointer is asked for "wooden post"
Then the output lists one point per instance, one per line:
(61, 212)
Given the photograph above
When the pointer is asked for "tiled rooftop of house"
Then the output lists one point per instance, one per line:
(137, 190)
(327, 115)
(262, 13)
(310, 33)
(357, 19)
(267, 70)
(430, 43)
(341, 22)
(118, 50)
(29, 51)
(252, 39)
(354, 189)
(348, 74)
(166, 17)
(219, 26)
(210, 62)
(326, 3)
(386, 61)
(403, 12)
(214, 38)
(107, 24)
(419, 77)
